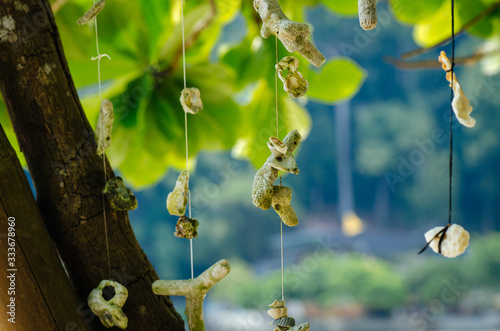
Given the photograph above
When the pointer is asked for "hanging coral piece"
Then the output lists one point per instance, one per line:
(294, 84)
(449, 241)
(92, 12)
(292, 34)
(186, 228)
(119, 196)
(104, 126)
(367, 12)
(282, 197)
(281, 159)
(109, 311)
(194, 290)
(191, 100)
(460, 104)
(278, 309)
(300, 327)
(178, 198)
(282, 321)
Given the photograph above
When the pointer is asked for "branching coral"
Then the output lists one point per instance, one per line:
(281, 159)
(292, 34)
(367, 12)
(195, 291)
(92, 12)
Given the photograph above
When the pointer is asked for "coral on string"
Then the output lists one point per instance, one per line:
(460, 104)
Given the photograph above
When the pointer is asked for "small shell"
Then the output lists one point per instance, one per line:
(278, 144)
(119, 196)
(186, 228)
(277, 304)
(109, 312)
(104, 126)
(288, 63)
(284, 321)
(92, 12)
(191, 100)
(276, 313)
(178, 198)
(294, 83)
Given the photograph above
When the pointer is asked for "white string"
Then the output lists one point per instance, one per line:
(277, 136)
(183, 44)
(282, 265)
(98, 58)
(186, 127)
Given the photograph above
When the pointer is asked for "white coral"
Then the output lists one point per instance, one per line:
(455, 242)
(460, 104)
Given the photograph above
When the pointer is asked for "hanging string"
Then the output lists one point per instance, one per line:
(186, 128)
(277, 136)
(98, 58)
(451, 111)
(276, 90)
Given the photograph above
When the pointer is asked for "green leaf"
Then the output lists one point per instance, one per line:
(227, 9)
(437, 28)
(9, 132)
(410, 11)
(338, 80)
(148, 131)
(260, 122)
(485, 28)
(344, 7)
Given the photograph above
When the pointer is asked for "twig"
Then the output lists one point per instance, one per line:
(57, 5)
(485, 13)
(197, 30)
(434, 64)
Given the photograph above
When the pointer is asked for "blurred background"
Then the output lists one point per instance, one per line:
(373, 167)
(373, 179)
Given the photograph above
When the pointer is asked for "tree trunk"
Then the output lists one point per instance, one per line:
(58, 144)
(37, 295)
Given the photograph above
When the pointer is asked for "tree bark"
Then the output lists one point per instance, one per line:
(58, 144)
(42, 295)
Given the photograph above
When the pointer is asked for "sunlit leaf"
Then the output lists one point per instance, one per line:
(337, 80)
(260, 119)
(9, 131)
(345, 7)
(412, 12)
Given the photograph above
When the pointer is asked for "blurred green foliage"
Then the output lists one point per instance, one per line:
(145, 77)
(331, 280)
(236, 77)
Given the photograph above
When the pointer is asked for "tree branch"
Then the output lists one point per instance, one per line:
(485, 13)
(58, 144)
(434, 64)
(44, 296)
(190, 41)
